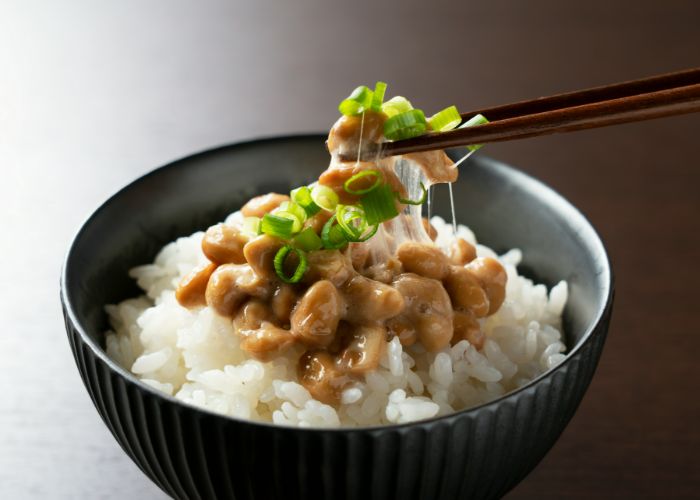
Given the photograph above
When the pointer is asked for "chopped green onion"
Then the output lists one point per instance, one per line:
(359, 101)
(311, 209)
(251, 226)
(280, 258)
(378, 96)
(296, 223)
(405, 125)
(353, 222)
(332, 235)
(278, 226)
(293, 208)
(302, 197)
(445, 120)
(396, 105)
(346, 215)
(367, 234)
(473, 122)
(420, 201)
(361, 175)
(308, 240)
(379, 205)
(324, 197)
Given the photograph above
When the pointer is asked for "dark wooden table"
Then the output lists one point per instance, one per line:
(92, 96)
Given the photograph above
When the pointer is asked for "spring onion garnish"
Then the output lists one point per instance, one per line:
(302, 197)
(280, 259)
(359, 101)
(324, 197)
(378, 178)
(378, 96)
(445, 120)
(274, 225)
(473, 122)
(332, 235)
(296, 223)
(379, 205)
(420, 201)
(405, 125)
(396, 105)
(293, 208)
(251, 226)
(308, 240)
(353, 222)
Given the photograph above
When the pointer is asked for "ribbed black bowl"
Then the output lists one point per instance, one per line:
(192, 453)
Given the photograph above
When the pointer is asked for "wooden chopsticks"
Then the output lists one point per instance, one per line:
(645, 99)
(591, 95)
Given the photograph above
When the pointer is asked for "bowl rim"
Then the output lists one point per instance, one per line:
(540, 188)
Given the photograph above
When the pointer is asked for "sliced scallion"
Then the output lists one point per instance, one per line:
(378, 96)
(293, 208)
(378, 178)
(324, 197)
(332, 235)
(396, 105)
(302, 197)
(308, 240)
(251, 226)
(405, 125)
(353, 222)
(423, 197)
(296, 223)
(379, 205)
(473, 122)
(280, 259)
(275, 225)
(357, 102)
(352, 219)
(445, 120)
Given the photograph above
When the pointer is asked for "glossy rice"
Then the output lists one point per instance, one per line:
(195, 355)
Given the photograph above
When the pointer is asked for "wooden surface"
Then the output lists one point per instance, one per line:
(94, 94)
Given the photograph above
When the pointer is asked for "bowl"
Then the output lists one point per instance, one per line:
(193, 453)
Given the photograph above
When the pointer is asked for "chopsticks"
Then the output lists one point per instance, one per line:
(655, 97)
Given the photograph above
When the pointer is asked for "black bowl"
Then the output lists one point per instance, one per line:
(192, 453)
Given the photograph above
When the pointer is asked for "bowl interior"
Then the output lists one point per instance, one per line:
(505, 208)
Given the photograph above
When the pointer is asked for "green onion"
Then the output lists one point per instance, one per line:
(405, 125)
(367, 234)
(302, 197)
(378, 96)
(365, 173)
(324, 197)
(308, 240)
(296, 223)
(346, 215)
(353, 222)
(332, 235)
(445, 120)
(278, 226)
(473, 122)
(379, 205)
(293, 208)
(357, 102)
(396, 105)
(280, 258)
(420, 201)
(251, 226)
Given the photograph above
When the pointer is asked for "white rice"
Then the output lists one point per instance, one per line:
(195, 355)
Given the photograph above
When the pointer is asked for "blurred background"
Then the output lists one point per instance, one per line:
(94, 94)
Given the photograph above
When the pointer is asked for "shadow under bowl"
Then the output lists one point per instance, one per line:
(192, 453)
